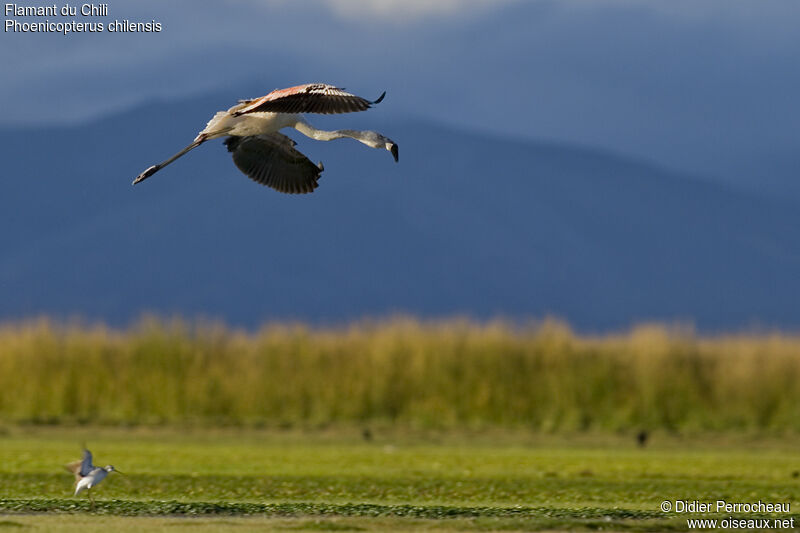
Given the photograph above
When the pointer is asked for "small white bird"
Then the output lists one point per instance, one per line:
(269, 157)
(87, 475)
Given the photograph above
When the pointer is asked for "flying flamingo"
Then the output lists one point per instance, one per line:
(269, 157)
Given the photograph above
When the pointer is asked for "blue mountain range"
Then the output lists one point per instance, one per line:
(465, 224)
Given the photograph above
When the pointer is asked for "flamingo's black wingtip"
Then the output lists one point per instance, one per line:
(395, 152)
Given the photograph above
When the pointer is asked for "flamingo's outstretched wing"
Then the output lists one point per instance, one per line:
(308, 98)
(270, 159)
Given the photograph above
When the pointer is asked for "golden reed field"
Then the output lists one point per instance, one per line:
(448, 374)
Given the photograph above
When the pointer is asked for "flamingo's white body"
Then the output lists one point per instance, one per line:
(269, 157)
(87, 475)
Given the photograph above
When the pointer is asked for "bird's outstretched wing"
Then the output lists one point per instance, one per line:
(86, 463)
(270, 159)
(83, 467)
(308, 98)
(74, 468)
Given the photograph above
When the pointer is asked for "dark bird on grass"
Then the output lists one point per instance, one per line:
(269, 157)
(87, 475)
(641, 438)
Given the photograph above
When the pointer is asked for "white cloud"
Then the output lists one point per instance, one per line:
(390, 10)
(409, 9)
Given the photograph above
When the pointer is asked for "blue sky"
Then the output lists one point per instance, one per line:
(704, 86)
(707, 87)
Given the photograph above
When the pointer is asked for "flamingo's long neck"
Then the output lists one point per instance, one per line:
(324, 135)
(370, 138)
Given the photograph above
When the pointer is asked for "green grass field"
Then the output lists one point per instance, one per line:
(243, 480)
(436, 375)
(474, 427)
